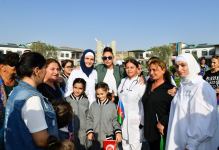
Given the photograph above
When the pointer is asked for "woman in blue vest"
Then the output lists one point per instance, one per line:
(30, 118)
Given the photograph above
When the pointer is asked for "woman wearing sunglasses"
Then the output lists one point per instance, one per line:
(110, 73)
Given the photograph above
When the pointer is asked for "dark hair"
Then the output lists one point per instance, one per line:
(133, 61)
(215, 57)
(202, 58)
(51, 60)
(64, 62)
(82, 81)
(108, 49)
(105, 87)
(162, 65)
(10, 59)
(63, 112)
(28, 62)
(55, 144)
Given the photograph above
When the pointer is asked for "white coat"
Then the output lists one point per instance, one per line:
(130, 93)
(90, 83)
(193, 117)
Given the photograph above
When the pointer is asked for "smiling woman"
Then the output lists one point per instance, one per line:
(87, 72)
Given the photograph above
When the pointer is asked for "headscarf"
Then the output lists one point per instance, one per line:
(193, 66)
(84, 68)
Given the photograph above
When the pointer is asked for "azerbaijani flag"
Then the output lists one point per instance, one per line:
(120, 112)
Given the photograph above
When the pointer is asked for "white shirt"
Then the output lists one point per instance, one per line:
(193, 117)
(111, 81)
(33, 115)
(90, 83)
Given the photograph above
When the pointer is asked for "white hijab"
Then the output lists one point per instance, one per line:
(193, 66)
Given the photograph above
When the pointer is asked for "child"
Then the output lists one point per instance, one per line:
(102, 121)
(64, 115)
(80, 104)
(55, 144)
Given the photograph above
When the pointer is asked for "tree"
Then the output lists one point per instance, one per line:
(48, 51)
(163, 52)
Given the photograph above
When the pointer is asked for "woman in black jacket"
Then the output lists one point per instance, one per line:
(156, 103)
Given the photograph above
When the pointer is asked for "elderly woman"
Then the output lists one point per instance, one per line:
(30, 117)
(87, 72)
(193, 115)
(156, 102)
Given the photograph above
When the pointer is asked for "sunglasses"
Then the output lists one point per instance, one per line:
(105, 58)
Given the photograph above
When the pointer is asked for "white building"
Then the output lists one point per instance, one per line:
(202, 50)
(70, 53)
(10, 47)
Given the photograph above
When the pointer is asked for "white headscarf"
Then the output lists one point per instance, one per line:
(193, 65)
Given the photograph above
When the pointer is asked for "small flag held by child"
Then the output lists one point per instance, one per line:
(120, 112)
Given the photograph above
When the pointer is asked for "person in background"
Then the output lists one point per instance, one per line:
(8, 63)
(110, 73)
(193, 120)
(80, 104)
(212, 76)
(87, 72)
(29, 117)
(130, 95)
(102, 121)
(203, 67)
(67, 67)
(50, 87)
(156, 103)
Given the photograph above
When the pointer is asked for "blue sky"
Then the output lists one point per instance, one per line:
(133, 24)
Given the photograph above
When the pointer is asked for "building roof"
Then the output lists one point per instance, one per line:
(12, 45)
(70, 49)
(136, 50)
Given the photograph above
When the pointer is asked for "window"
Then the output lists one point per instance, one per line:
(62, 54)
(194, 53)
(204, 53)
(187, 51)
(212, 52)
(67, 55)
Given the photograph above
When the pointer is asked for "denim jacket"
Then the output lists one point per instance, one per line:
(17, 135)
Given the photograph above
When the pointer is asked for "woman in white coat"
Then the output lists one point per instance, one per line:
(193, 116)
(130, 93)
(87, 72)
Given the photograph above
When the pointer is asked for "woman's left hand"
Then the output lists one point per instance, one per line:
(141, 80)
(160, 128)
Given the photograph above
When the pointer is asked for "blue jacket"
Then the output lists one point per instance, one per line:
(17, 135)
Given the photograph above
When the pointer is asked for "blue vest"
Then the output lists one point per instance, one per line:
(17, 135)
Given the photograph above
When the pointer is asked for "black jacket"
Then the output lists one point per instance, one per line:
(156, 106)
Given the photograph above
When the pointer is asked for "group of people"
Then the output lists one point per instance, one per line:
(81, 108)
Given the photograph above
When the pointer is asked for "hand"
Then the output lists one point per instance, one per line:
(172, 91)
(141, 80)
(217, 90)
(160, 128)
(118, 137)
(90, 136)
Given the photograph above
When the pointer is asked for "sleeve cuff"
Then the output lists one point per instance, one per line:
(118, 131)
